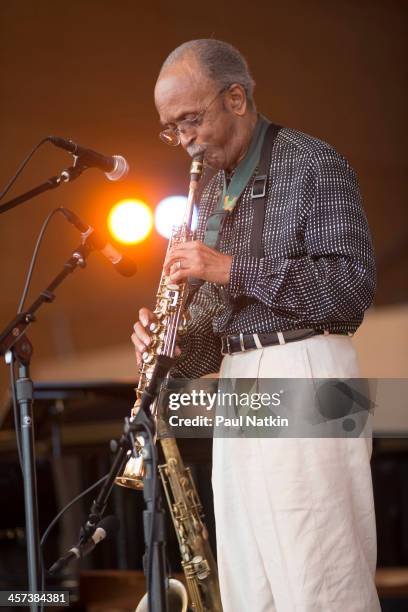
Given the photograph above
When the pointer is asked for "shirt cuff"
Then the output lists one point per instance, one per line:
(244, 275)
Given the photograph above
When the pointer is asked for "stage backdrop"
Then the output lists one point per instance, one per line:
(87, 70)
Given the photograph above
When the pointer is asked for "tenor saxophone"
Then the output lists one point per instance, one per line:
(197, 560)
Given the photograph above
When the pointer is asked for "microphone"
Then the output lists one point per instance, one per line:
(108, 527)
(124, 265)
(115, 167)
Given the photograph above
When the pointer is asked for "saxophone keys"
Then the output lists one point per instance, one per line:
(160, 310)
(185, 552)
(201, 567)
(147, 357)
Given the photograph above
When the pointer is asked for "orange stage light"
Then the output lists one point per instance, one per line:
(130, 221)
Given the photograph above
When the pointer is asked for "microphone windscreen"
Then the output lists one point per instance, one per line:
(126, 266)
(120, 170)
(110, 524)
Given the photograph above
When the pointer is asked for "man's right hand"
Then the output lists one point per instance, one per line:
(141, 336)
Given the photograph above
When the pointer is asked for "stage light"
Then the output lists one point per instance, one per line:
(130, 221)
(170, 212)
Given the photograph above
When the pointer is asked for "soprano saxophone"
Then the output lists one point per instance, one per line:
(197, 560)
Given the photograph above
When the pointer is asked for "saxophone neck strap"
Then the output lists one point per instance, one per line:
(257, 158)
(259, 190)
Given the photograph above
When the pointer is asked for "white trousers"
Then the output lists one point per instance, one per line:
(295, 517)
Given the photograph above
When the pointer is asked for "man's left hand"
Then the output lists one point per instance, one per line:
(198, 260)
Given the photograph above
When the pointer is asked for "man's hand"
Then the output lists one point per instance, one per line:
(198, 260)
(141, 336)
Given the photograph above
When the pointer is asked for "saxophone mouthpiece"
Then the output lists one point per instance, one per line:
(196, 168)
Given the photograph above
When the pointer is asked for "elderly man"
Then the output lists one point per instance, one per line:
(288, 271)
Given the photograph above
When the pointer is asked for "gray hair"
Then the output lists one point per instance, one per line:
(221, 62)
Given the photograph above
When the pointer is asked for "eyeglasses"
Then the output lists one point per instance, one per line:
(172, 136)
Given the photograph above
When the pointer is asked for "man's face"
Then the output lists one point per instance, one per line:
(181, 93)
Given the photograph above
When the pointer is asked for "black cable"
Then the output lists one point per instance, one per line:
(15, 411)
(21, 168)
(34, 258)
(56, 519)
(68, 506)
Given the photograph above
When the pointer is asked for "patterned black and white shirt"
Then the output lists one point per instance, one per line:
(318, 269)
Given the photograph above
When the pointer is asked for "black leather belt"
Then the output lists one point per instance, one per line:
(246, 342)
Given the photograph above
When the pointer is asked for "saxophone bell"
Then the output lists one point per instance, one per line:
(177, 598)
(134, 471)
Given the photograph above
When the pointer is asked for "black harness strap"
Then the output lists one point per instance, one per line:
(259, 189)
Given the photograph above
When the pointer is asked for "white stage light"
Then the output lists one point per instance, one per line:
(170, 212)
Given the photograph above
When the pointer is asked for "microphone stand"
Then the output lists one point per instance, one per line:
(14, 344)
(67, 175)
(154, 514)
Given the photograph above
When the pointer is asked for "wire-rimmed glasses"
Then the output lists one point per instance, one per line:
(172, 135)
